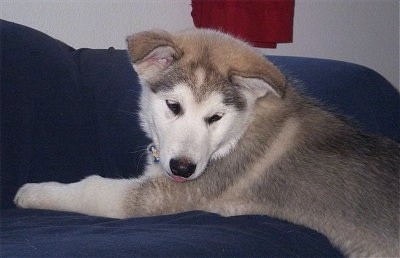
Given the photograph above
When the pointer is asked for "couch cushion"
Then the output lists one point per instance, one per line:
(38, 233)
(46, 132)
(110, 87)
(66, 113)
(352, 90)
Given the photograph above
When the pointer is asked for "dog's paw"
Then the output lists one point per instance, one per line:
(35, 195)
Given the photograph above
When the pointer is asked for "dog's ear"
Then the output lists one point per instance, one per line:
(151, 52)
(260, 79)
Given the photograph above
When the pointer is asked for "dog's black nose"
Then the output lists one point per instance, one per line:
(182, 167)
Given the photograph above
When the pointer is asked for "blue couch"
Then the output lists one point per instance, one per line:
(68, 113)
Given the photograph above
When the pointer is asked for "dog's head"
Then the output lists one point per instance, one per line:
(199, 89)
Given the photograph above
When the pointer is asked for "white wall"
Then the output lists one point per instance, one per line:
(360, 31)
(97, 23)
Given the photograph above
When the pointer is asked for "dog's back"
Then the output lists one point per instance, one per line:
(355, 177)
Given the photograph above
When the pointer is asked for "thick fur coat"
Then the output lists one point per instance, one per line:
(233, 137)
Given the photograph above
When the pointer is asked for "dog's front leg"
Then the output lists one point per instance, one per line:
(93, 195)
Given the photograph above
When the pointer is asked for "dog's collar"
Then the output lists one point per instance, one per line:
(152, 149)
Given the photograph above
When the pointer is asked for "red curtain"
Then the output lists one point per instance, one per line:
(263, 23)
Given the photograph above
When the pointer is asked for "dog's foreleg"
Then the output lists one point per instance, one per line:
(93, 195)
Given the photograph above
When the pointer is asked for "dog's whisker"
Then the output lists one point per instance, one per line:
(133, 91)
(138, 163)
(129, 113)
(137, 151)
(140, 148)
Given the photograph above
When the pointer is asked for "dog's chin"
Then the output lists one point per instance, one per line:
(179, 179)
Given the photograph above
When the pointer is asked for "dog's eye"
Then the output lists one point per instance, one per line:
(175, 107)
(213, 118)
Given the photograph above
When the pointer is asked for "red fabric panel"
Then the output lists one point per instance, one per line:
(263, 23)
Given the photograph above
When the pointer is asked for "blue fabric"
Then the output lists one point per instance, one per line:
(46, 233)
(68, 113)
(352, 90)
(65, 114)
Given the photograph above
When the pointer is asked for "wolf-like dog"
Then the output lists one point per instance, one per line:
(232, 136)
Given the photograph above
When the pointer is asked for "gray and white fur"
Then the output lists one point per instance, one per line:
(235, 138)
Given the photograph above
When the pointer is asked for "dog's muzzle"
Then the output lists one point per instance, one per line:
(182, 167)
